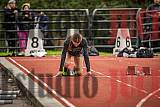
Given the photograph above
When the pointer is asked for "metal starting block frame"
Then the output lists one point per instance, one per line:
(136, 70)
(70, 73)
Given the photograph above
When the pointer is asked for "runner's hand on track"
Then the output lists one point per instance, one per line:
(60, 73)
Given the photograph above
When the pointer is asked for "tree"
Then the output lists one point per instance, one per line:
(88, 4)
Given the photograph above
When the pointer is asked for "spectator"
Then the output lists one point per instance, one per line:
(23, 28)
(11, 16)
(43, 19)
(154, 8)
(153, 12)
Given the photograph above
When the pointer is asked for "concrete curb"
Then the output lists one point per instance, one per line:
(33, 93)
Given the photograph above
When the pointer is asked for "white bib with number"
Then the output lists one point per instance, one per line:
(123, 40)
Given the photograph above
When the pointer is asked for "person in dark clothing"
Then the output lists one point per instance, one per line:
(23, 28)
(42, 18)
(26, 16)
(41, 22)
(154, 8)
(74, 46)
(10, 16)
(153, 26)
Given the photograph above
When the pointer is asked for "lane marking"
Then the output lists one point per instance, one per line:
(146, 98)
(119, 81)
(103, 75)
(144, 91)
(53, 91)
(94, 76)
(58, 58)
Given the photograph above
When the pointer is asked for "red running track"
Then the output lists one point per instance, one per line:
(108, 87)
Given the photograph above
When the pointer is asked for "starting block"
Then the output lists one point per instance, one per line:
(69, 73)
(135, 70)
(72, 73)
(146, 70)
(131, 70)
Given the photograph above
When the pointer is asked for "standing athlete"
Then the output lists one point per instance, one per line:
(74, 46)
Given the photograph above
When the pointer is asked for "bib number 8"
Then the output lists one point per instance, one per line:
(34, 42)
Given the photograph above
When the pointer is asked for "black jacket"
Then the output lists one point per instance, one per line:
(10, 17)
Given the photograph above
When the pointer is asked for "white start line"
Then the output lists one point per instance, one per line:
(46, 85)
(139, 104)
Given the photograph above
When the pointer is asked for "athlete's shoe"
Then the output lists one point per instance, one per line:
(72, 73)
(89, 73)
(65, 72)
(21, 53)
(78, 74)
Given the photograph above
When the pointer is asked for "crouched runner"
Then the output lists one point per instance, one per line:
(74, 46)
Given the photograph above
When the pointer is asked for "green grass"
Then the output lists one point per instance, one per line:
(4, 53)
(49, 52)
(105, 53)
(53, 52)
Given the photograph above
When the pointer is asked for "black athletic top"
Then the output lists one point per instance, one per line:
(154, 7)
(81, 49)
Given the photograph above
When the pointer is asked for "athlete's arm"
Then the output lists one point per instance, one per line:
(86, 55)
(63, 56)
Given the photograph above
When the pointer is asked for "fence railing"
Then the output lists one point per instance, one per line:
(149, 28)
(105, 23)
(59, 21)
(99, 27)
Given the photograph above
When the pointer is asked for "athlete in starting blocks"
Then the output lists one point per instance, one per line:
(75, 46)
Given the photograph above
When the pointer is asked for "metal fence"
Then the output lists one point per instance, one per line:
(105, 23)
(59, 21)
(99, 27)
(149, 28)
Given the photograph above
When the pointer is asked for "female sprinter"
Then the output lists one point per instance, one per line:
(74, 46)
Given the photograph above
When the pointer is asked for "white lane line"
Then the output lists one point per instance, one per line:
(38, 59)
(58, 58)
(144, 91)
(103, 75)
(98, 72)
(53, 91)
(146, 98)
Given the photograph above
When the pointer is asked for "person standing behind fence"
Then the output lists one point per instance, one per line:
(42, 20)
(10, 16)
(24, 26)
(153, 11)
(155, 7)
